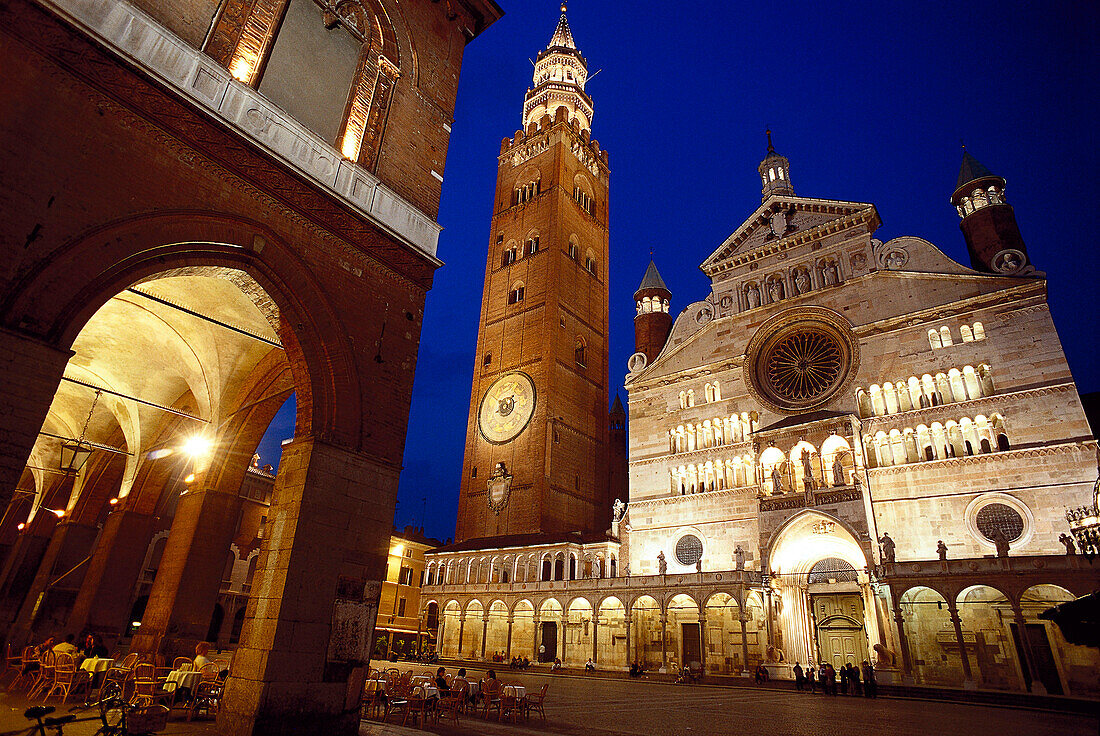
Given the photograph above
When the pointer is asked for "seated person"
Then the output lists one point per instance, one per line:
(526, 663)
(68, 646)
(589, 665)
(44, 647)
(635, 670)
(201, 650)
(556, 665)
(441, 682)
(93, 647)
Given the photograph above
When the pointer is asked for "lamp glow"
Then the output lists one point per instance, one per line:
(197, 445)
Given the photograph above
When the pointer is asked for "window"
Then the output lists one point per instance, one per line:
(573, 251)
(509, 256)
(515, 296)
(405, 576)
(579, 353)
(401, 607)
(590, 263)
(945, 337)
(583, 199)
(526, 192)
(473, 472)
(979, 331)
(532, 246)
(500, 238)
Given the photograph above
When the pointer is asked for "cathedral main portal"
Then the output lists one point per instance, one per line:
(838, 625)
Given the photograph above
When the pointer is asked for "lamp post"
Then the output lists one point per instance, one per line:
(1084, 524)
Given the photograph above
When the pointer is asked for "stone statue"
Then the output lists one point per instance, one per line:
(773, 653)
(617, 510)
(838, 472)
(699, 565)
(828, 272)
(777, 480)
(662, 565)
(775, 290)
(807, 473)
(801, 282)
(941, 549)
(739, 557)
(626, 572)
(887, 547)
(885, 657)
(1000, 541)
(1067, 542)
(753, 296)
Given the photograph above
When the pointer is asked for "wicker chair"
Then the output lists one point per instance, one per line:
(511, 705)
(451, 705)
(207, 697)
(490, 694)
(44, 678)
(417, 706)
(13, 664)
(148, 688)
(123, 672)
(67, 678)
(28, 668)
(536, 702)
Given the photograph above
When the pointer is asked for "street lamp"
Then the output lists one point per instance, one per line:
(75, 454)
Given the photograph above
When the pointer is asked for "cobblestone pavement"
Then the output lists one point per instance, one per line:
(610, 707)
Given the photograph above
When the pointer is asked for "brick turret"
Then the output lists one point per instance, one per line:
(988, 222)
(652, 322)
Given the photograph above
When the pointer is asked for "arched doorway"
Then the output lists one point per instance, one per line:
(822, 592)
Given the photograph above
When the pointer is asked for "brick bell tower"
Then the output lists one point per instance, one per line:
(537, 434)
(988, 222)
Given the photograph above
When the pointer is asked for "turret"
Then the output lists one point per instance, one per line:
(988, 222)
(558, 82)
(652, 322)
(775, 173)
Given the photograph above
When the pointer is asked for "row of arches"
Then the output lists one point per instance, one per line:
(521, 568)
(941, 338)
(711, 432)
(979, 198)
(807, 467)
(977, 436)
(955, 385)
(726, 633)
(648, 304)
(713, 475)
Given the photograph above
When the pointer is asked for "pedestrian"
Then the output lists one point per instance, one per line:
(844, 679)
(811, 680)
(542, 652)
(635, 670)
(799, 678)
(830, 678)
(870, 685)
(853, 677)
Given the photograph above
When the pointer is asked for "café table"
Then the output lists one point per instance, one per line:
(182, 679)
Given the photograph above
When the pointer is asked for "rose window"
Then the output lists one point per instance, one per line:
(689, 549)
(803, 366)
(999, 516)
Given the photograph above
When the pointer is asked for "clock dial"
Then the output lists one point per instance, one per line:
(506, 408)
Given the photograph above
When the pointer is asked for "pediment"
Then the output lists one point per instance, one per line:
(805, 218)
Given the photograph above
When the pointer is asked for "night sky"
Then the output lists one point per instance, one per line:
(868, 101)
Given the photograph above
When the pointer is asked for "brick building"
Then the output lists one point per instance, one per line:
(208, 206)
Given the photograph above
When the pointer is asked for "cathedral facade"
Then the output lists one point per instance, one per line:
(848, 450)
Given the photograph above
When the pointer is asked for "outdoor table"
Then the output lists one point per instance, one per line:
(182, 678)
(95, 665)
(429, 691)
(372, 686)
(517, 691)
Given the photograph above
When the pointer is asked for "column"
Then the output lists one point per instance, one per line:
(461, 631)
(331, 518)
(768, 609)
(595, 637)
(1029, 655)
(957, 623)
(537, 638)
(629, 642)
(703, 641)
(439, 633)
(185, 590)
(562, 636)
(484, 632)
(508, 653)
(744, 645)
(664, 643)
(103, 603)
(903, 643)
(23, 560)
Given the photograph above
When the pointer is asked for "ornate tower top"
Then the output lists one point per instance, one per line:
(559, 78)
(988, 222)
(775, 173)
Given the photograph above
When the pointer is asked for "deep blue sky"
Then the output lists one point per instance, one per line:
(869, 103)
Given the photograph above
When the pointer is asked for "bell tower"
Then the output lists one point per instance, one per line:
(537, 433)
(988, 222)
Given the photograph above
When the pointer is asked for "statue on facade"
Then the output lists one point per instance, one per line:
(626, 572)
(777, 480)
(775, 290)
(739, 557)
(885, 657)
(773, 653)
(1067, 542)
(617, 510)
(801, 282)
(752, 294)
(941, 549)
(828, 273)
(807, 473)
(662, 565)
(1000, 541)
(887, 548)
(699, 564)
(838, 472)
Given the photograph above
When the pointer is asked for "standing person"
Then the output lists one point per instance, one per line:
(810, 678)
(870, 685)
(830, 678)
(853, 676)
(844, 679)
(542, 652)
(799, 678)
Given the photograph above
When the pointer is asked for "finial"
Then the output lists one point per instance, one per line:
(963, 144)
(771, 149)
(563, 7)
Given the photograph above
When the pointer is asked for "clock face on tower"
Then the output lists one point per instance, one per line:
(506, 407)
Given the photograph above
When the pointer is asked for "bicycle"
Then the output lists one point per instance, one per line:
(118, 717)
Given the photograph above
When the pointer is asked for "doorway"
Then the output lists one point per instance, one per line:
(690, 644)
(549, 649)
(838, 621)
(1042, 657)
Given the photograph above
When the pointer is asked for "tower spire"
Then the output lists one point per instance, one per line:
(775, 172)
(558, 81)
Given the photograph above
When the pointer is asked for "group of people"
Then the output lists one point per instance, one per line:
(853, 680)
(518, 663)
(92, 646)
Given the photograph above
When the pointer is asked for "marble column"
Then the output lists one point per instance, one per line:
(664, 642)
(744, 644)
(508, 652)
(484, 632)
(1037, 686)
(595, 637)
(903, 643)
(461, 631)
(957, 623)
(703, 642)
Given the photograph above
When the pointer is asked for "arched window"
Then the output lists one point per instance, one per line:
(590, 263)
(683, 400)
(967, 333)
(515, 296)
(691, 397)
(531, 247)
(708, 392)
(579, 353)
(945, 337)
(717, 392)
(509, 254)
(979, 331)
(934, 339)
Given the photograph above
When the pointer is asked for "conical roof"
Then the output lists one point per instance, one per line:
(970, 170)
(617, 407)
(652, 279)
(562, 35)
